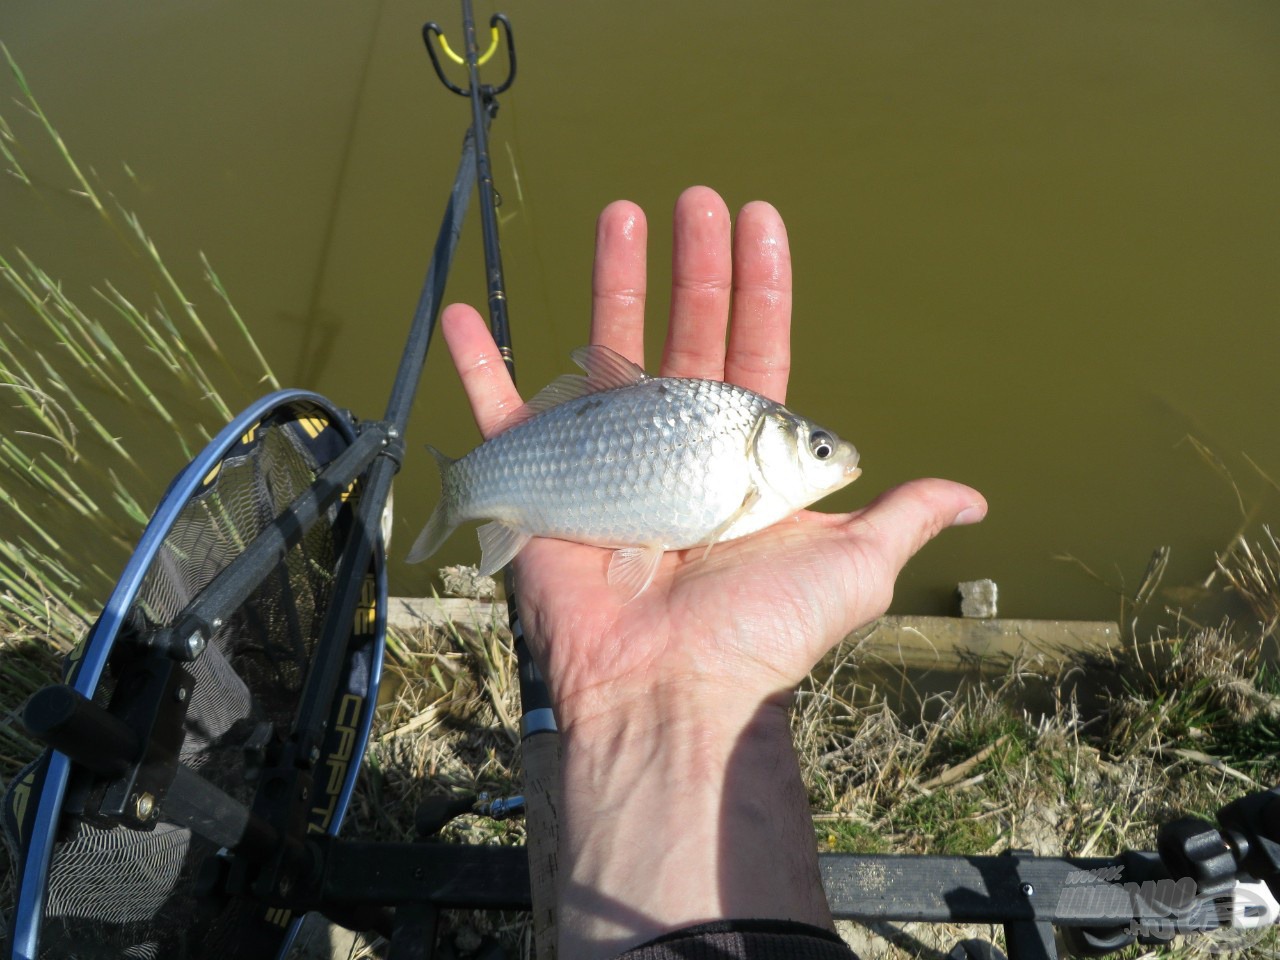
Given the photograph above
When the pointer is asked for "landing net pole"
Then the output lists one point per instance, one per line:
(540, 740)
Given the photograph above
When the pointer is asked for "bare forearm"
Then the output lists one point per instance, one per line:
(683, 809)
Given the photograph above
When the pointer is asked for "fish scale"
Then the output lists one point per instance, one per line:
(640, 464)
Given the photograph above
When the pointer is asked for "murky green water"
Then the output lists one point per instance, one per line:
(1036, 244)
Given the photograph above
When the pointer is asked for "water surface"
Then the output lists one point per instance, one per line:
(1036, 245)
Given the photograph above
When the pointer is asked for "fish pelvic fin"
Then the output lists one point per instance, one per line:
(632, 569)
(749, 501)
(499, 543)
(606, 370)
(442, 522)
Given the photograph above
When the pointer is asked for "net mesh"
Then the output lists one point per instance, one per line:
(122, 893)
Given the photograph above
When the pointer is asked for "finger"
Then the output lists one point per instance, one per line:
(618, 280)
(701, 281)
(759, 352)
(895, 525)
(484, 376)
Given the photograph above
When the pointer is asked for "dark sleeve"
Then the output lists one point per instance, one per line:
(744, 940)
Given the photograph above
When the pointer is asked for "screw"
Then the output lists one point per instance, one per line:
(144, 805)
(180, 694)
(1028, 890)
(314, 754)
(194, 645)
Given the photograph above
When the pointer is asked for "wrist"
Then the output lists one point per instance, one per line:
(710, 710)
(685, 808)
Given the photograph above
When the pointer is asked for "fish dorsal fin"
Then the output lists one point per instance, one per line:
(558, 391)
(606, 370)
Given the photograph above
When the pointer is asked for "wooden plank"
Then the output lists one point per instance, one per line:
(946, 643)
(419, 613)
(952, 643)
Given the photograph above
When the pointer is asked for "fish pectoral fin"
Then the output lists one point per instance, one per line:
(499, 543)
(749, 501)
(633, 568)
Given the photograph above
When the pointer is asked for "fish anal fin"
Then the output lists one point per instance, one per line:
(749, 501)
(632, 569)
(499, 543)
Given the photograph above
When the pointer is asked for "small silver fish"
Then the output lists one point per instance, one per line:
(637, 463)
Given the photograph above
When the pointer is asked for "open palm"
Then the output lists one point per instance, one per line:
(758, 612)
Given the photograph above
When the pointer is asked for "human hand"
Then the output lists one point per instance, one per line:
(755, 615)
(682, 797)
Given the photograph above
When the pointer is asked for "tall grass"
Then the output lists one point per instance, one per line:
(88, 378)
(31, 105)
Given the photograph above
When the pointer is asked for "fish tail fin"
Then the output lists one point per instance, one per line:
(442, 521)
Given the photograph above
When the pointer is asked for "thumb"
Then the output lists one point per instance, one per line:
(902, 520)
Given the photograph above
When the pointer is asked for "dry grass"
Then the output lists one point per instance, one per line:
(1088, 761)
(1254, 574)
(447, 726)
(1178, 724)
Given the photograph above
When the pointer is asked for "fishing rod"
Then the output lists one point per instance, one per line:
(540, 739)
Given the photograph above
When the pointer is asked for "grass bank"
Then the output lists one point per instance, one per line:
(1085, 759)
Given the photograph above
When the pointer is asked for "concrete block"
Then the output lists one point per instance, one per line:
(977, 598)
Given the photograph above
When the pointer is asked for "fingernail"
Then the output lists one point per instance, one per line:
(972, 514)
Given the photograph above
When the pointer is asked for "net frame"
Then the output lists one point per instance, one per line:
(37, 799)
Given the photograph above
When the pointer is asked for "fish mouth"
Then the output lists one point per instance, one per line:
(850, 474)
(851, 469)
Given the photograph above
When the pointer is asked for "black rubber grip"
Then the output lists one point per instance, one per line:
(78, 727)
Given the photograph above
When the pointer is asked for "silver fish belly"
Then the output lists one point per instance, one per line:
(640, 464)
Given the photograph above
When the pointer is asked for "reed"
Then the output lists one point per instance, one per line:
(213, 280)
(86, 375)
(33, 107)
(7, 143)
(188, 307)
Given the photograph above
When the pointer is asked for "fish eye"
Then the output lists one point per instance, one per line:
(821, 445)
